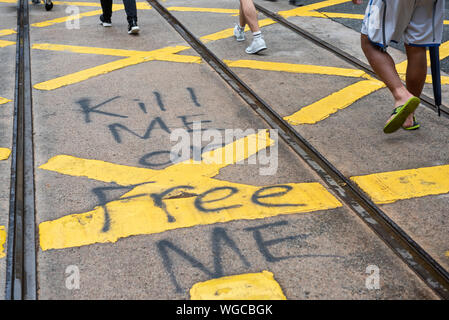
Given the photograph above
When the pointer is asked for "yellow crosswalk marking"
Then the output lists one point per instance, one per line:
(388, 187)
(2, 242)
(208, 200)
(4, 43)
(4, 100)
(295, 68)
(165, 54)
(208, 10)
(6, 32)
(4, 153)
(48, 23)
(309, 10)
(250, 286)
(341, 99)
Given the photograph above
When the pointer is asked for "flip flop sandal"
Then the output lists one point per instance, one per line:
(400, 115)
(414, 126)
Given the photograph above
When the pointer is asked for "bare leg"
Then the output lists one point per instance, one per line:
(248, 11)
(242, 17)
(384, 66)
(416, 73)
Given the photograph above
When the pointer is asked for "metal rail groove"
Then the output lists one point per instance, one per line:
(436, 277)
(427, 101)
(21, 253)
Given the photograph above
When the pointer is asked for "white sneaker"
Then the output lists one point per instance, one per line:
(256, 46)
(104, 22)
(239, 34)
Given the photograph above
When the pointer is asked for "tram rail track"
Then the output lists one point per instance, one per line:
(21, 255)
(417, 259)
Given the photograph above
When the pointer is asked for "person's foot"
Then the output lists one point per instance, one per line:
(256, 46)
(401, 102)
(105, 22)
(239, 33)
(402, 116)
(409, 122)
(133, 28)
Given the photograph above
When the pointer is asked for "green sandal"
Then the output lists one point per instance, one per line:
(400, 115)
(414, 126)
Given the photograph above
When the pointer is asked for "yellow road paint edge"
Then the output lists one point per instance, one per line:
(4, 153)
(136, 213)
(2, 241)
(341, 99)
(389, 187)
(295, 68)
(207, 10)
(4, 100)
(5, 43)
(165, 54)
(250, 286)
(6, 32)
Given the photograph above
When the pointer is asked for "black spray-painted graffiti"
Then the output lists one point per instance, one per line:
(203, 202)
(219, 239)
(156, 123)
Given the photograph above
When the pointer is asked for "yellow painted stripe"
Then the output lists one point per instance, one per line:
(177, 58)
(343, 15)
(143, 6)
(447, 254)
(444, 50)
(250, 286)
(166, 54)
(6, 32)
(444, 53)
(444, 79)
(48, 23)
(4, 43)
(323, 4)
(336, 101)
(388, 187)
(89, 50)
(88, 73)
(98, 170)
(2, 242)
(295, 68)
(140, 5)
(309, 9)
(209, 10)
(76, 3)
(4, 153)
(212, 162)
(140, 216)
(136, 213)
(4, 100)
